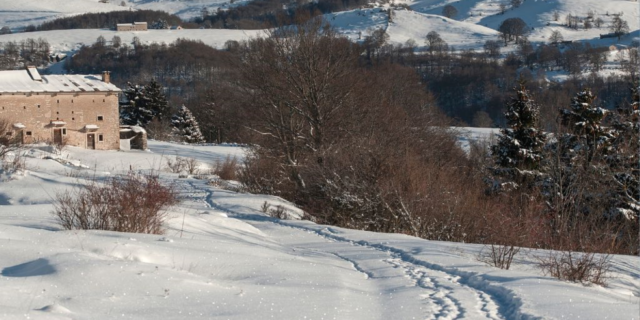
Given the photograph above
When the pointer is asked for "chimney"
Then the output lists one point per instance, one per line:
(106, 76)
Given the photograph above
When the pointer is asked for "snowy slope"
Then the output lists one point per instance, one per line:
(461, 35)
(18, 14)
(221, 258)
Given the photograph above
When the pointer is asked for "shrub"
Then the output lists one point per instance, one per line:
(132, 203)
(175, 165)
(279, 212)
(576, 266)
(499, 256)
(227, 169)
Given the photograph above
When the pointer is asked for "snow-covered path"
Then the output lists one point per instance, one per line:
(222, 258)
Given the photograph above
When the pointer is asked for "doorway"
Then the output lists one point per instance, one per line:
(91, 141)
(57, 136)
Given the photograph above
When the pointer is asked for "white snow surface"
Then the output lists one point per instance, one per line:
(21, 81)
(222, 258)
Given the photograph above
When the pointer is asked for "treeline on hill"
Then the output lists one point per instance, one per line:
(27, 52)
(109, 20)
(261, 14)
(349, 133)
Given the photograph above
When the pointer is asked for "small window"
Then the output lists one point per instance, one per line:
(73, 119)
(9, 133)
(38, 106)
(57, 112)
(71, 100)
(28, 133)
(103, 100)
(25, 107)
(100, 118)
(64, 131)
(100, 138)
(58, 101)
(71, 112)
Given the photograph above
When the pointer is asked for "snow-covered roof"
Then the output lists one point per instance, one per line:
(91, 127)
(20, 81)
(58, 123)
(138, 129)
(19, 125)
(139, 23)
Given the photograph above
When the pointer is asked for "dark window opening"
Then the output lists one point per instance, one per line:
(28, 133)
(64, 131)
(100, 118)
(100, 138)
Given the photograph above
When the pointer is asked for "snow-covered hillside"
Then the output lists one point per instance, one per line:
(222, 258)
(18, 14)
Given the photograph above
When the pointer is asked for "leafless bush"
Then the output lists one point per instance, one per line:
(9, 142)
(159, 130)
(279, 212)
(15, 163)
(576, 266)
(227, 169)
(175, 165)
(132, 203)
(58, 147)
(499, 256)
(191, 165)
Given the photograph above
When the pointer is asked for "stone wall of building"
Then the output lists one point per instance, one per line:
(38, 112)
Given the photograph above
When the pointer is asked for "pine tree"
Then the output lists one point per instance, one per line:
(186, 127)
(144, 104)
(519, 149)
(133, 111)
(583, 121)
(156, 101)
(625, 159)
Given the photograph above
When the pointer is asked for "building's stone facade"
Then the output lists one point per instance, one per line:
(86, 119)
(136, 26)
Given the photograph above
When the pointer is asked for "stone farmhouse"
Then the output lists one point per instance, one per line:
(136, 26)
(78, 110)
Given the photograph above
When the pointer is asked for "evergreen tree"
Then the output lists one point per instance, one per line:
(144, 104)
(160, 24)
(625, 159)
(156, 101)
(133, 111)
(186, 127)
(519, 149)
(583, 121)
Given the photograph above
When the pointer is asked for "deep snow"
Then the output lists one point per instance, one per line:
(222, 258)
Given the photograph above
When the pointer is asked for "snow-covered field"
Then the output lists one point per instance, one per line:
(222, 258)
(21, 13)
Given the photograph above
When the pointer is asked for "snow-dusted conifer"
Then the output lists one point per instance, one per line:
(583, 119)
(624, 159)
(133, 111)
(519, 149)
(521, 143)
(186, 127)
(156, 101)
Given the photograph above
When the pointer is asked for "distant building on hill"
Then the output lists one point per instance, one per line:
(77, 110)
(176, 28)
(136, 26)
